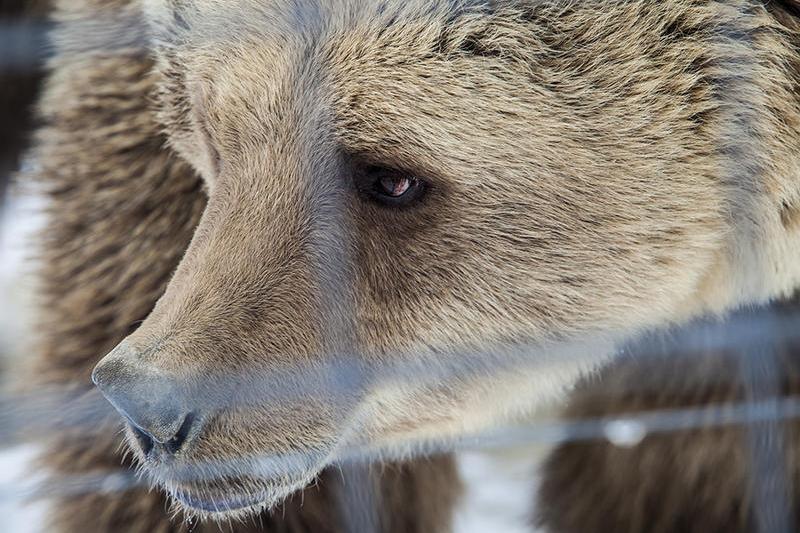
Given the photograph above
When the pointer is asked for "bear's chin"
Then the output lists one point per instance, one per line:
(232, 500)
(223, 506)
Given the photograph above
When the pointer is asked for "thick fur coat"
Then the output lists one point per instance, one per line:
(592, 168)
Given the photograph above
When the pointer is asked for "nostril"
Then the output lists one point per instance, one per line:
(145, 441)
(175, 443)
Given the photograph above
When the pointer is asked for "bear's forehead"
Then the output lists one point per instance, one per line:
(362, 59)
(206, 23)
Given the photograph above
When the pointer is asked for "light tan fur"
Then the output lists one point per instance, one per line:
(595, 168)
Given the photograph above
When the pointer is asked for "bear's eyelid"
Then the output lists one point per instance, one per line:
(385, 161)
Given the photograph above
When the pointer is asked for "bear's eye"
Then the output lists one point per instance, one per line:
(396, 186)
(391, 187)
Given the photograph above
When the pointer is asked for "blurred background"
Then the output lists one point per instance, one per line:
(23, 50)
(23, 37)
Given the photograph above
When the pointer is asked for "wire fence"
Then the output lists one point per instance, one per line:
(757, 343)
(747, 340)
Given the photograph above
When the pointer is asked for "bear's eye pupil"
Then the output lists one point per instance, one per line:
(390, 187)
(395, 186)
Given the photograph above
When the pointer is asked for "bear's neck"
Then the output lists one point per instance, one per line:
(757, 132)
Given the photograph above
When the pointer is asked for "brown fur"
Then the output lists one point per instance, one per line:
(96, 294)
(708, 479)
(711, 478)
(603, 166)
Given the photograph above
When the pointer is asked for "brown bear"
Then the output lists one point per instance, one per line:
(340, 228)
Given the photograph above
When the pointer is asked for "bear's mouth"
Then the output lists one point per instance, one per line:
(209, 481)
(224, 500)
(219, 504)
(223, 496)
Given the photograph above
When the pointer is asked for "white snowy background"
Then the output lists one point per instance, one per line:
(21, 217)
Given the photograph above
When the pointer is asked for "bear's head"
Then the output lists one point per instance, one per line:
(395, 184)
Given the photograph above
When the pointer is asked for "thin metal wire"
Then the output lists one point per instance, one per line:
(757, 413)
(764, 411)
(338, 379)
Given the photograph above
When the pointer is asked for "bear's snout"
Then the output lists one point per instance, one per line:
(149, 399)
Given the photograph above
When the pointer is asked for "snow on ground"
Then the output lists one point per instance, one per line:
(19, 514)
(21, 217)
(499, 490)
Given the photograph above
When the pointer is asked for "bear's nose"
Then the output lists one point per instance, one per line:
(150, 400)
